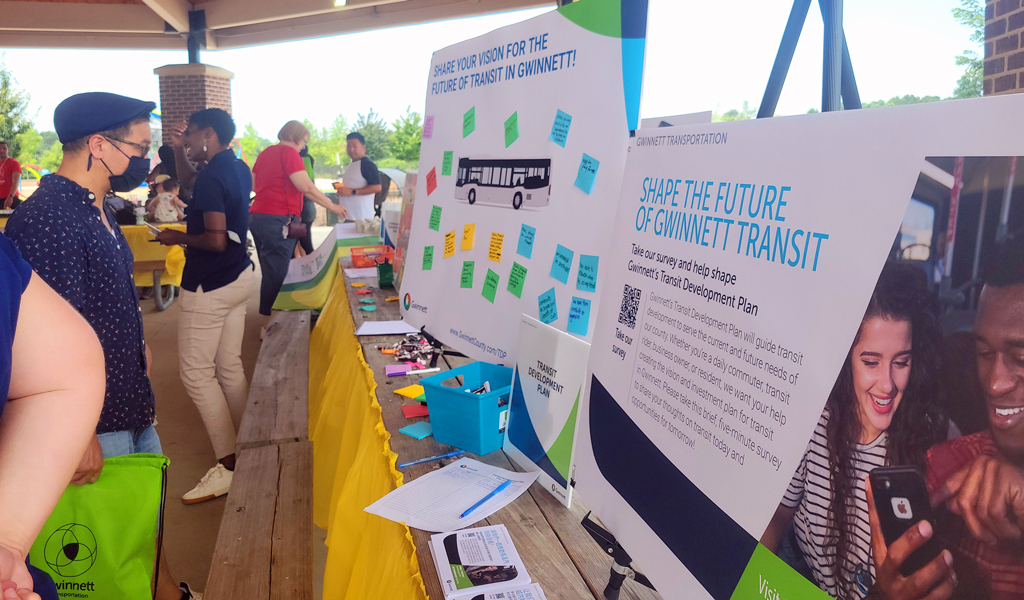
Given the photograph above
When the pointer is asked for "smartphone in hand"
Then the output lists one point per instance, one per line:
(154, 229)
(901, 499)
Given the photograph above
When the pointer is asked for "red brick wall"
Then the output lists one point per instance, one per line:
(182, 95)
(1004, 46)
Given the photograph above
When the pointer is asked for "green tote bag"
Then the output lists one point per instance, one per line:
(101, 541)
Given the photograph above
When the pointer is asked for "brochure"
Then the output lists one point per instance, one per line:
(478, 563)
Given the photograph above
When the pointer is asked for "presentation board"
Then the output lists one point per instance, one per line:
(742, 260)
(524, 141)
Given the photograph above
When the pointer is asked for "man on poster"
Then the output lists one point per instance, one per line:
(10, 177)
(980, 477)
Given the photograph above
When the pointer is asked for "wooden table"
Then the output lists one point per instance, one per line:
(559, 554)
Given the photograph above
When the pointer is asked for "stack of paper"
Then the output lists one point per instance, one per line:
(478, 561)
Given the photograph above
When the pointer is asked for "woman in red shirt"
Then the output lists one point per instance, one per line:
(280, 181)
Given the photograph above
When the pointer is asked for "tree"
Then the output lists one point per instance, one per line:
(405, 141)
(29, 146)
(901, 100)
(51, 157)
(377, 134)
(14, 118)
(252, 144)
(971, 13)
(735, 115)
(327, 145)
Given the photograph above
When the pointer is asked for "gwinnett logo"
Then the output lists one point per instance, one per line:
(409, 304)
(408, 301)
(70, 551)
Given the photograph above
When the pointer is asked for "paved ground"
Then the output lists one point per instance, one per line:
(190, 532)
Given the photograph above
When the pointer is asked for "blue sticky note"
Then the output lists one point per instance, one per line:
(586, 279)
(579, 316)
(587, 173)
(560, 128)
(526, 235)
(418, 431)
(547, 307)
(562, 263)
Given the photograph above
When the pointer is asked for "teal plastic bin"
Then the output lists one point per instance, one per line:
(473, 422)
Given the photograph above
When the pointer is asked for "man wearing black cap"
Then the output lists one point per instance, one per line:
(74, 243)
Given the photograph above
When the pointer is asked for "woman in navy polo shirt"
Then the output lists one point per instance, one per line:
(52, 382)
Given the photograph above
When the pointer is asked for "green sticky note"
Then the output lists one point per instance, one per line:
(516, 279)
(490, 285)
(366, 300)
(435, 218)
(511, 129)
(428, 258)
(467, 273)
(469, 122)
(368, 308)
(446, 164)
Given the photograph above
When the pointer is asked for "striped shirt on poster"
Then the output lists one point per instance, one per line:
(810, 494)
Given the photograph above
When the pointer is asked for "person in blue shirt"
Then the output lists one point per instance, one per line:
(76, 246)
(216, 286)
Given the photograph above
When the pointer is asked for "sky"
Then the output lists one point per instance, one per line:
(699, 57)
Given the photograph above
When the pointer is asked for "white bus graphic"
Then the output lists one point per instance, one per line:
(504, 181)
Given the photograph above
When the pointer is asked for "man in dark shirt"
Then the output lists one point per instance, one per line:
(74, 243)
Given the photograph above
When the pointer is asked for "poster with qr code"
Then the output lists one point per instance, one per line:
(497, 103)
(735, 304)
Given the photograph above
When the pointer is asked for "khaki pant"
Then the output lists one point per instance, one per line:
(210, 328)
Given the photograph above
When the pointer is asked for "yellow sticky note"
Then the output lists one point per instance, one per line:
(494, 252)
(449, 244)
(358, 285)
(468, 236)
(411, 391)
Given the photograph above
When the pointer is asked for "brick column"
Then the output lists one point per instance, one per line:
(1004, 50)
(184, 89)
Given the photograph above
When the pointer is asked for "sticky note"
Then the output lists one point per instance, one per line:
(469, 122)
(586, 279)
(418, 431)
(562, 263)
(526, 235)
(494, 250)
(358, 285)
(449, 244)
(368, 307)
(432, 181)
(559, 129)
(579, 316)
(396, 370)
(428, 258)
(446, 164)
(361, 292)
(428, 127)
(366, 300)
(587, 173)
(511, 129)
(435, 218)
(468, 235)
(516, 279)
(490, 285)
(547, 309)
(411, 391)
(411, 411)
(421, 398)
(467, 273)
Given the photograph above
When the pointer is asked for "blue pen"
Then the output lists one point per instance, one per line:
(493, 493)
(431, 458)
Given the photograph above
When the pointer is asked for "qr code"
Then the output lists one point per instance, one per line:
(630, 306)
(307, 269)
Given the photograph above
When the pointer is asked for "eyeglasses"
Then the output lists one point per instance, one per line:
(144, 149)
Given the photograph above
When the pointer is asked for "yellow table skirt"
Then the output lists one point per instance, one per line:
(139, 237)
(368, 558)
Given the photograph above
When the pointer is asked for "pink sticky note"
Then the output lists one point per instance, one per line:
(428, 127)
(415, 410)
(393, 370)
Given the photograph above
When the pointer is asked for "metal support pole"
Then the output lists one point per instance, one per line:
(976, 267)
(784, 58)
(1004, 214)
(851, 96)
(196, 34)
(832, 60)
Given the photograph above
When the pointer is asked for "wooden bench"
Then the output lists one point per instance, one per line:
(265, 544)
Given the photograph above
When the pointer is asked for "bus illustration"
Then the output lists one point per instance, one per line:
(504, 181)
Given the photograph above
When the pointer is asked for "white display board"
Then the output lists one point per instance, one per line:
(743, 257)
(525, 138)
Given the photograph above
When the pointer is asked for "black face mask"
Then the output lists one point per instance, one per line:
(133, 176)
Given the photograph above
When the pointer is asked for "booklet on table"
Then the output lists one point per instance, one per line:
(479, 563)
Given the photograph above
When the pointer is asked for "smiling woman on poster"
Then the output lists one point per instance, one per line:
(883, 410)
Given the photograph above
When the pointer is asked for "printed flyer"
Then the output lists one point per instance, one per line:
(550, 371)
(733, 343)
(525, 138)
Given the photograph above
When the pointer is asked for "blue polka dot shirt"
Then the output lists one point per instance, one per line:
(59, 232)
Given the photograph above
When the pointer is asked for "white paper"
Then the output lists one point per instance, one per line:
(435, 501)
(487, 551)
(385, 328)
(363, 272)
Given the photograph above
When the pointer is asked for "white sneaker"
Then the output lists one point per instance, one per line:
(214, 484)
(189, 594)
